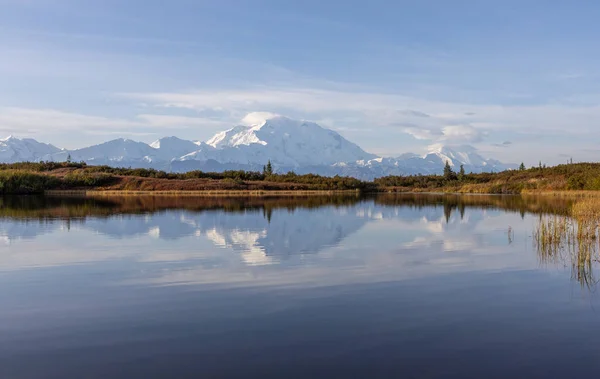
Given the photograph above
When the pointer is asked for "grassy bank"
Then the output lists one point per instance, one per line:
(27, 178)
(582, 179)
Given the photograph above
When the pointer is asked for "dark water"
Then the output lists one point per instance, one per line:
(388, 287)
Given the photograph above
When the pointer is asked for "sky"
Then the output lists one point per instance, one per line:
(519, 80)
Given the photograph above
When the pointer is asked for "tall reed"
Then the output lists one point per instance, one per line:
(572, 239)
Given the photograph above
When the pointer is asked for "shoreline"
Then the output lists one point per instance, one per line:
(266, 193)
(76, 179)
(207, 193)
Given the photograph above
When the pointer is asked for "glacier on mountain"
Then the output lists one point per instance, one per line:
(291, 145)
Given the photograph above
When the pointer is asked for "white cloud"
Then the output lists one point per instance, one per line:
(41, 120)
(255, 118)
(165, 121)
(462, 133)
(422, 133)
(29, 121)
(424, 119)
(376, 121)
(451, 133)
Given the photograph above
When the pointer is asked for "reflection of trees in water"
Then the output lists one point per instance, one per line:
(449, 208)
(558, 237)
(81, 206)
(457, 202)
(574, 243)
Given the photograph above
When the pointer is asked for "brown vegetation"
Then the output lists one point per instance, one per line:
(38, 177)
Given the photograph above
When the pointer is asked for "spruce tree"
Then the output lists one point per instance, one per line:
(522, 167)
(268, 169)
(448, 173)
(461, 173)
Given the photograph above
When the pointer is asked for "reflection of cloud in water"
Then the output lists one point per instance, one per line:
(366, 241)
(287, 233)
(245, 241)
(15, 230)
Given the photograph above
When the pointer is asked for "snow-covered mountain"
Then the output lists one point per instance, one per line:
(301, 146)
(455, 156)
(18, 150)
(119, 152)
(286, 142)
(169, 148)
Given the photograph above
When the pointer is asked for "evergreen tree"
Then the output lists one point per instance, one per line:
(69, 158)
(522, 167)
(448, 173)
(268, 169)
(461, 173)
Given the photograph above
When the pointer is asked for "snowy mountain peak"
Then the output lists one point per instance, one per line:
(171, 142)
(236, 136)
(257, 132)
(298, 145)
(13, 149)
(286, 142)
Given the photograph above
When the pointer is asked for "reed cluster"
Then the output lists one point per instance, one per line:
(573, 239)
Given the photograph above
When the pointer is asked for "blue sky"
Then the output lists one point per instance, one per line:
(517, 79)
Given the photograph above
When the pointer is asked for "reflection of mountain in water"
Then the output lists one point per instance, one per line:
(286, 233)
(260, 229)
(11, 230)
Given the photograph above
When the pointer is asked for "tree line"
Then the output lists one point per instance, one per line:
(30, 177)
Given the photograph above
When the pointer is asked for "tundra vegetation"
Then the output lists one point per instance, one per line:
(31, 177)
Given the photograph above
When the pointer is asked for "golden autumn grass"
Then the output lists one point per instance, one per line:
(579, 180)
(572, 238)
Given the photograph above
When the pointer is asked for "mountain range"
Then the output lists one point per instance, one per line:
(291, 145)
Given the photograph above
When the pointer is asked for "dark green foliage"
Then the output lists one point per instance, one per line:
(97, 176)
(40, 166)
(411, 181)
(576, 182)
(85, 179)
(522, 167)
(579, 176)
(23, 182)
(268, 169)
(461, 173)
(318, 182)
(28, 177)
(449, 174)
(26, 182)
(240, 176)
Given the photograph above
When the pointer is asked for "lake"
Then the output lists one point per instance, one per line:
(410, 286)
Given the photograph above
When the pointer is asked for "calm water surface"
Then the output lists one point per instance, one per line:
(395, 286)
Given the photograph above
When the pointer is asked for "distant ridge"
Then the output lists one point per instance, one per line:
(291, 145)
